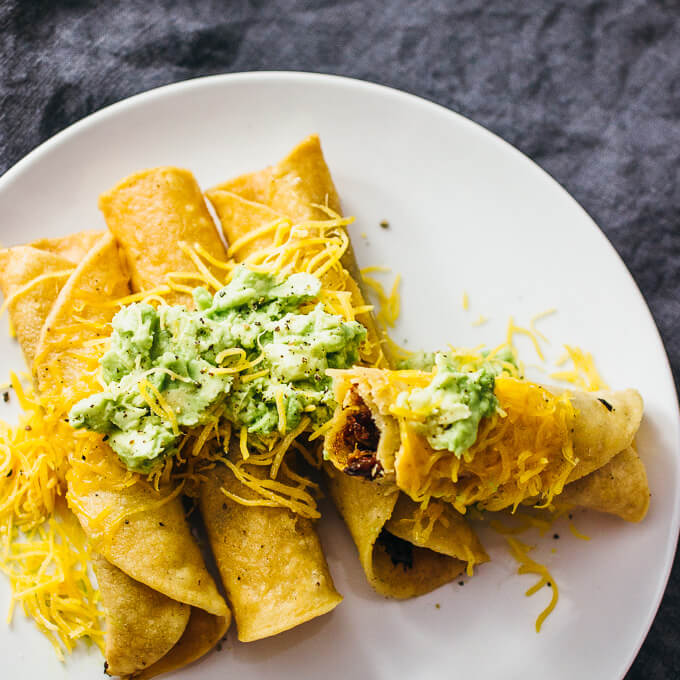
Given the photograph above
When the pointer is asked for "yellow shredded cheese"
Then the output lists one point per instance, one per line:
(43, 551)
(520, 551)
(577, 533)
(281, 409)
(530, 420)
(584, 374)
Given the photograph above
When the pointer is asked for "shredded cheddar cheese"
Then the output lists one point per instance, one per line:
(520, 551)
(584, 374)
(43, 550)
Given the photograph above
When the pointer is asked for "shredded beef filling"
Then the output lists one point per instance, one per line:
(362, 435)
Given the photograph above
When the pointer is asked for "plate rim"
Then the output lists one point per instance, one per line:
(215, 80)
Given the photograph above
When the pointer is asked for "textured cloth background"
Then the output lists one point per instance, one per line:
(588, 89)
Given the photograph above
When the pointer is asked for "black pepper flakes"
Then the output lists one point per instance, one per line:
(556, 536)
(461, 583)
(5, 396)
(384, 224)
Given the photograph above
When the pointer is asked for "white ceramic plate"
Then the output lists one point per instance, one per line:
(467, 212)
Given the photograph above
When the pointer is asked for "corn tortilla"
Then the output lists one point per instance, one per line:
(292, 189)
(154, 545)
(268, 601)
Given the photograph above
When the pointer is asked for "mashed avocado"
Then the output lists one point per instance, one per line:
(172, 353)
(459, 396)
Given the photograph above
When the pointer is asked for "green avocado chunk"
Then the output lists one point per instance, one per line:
(165, 359)
(456, 400)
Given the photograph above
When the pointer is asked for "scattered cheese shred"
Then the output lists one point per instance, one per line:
(584, 374)
(577, 533)
(389, 306)
(43, 550)
(520, 551)
(514, 329)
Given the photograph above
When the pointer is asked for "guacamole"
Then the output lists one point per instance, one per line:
(460, 394)
(170, 369)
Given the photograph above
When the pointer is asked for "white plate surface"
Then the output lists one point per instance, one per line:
(467, 212)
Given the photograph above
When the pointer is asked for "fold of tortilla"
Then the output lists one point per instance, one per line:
(19, 266)
(291, 189)
(366, 509)
(602, 431)
(271, 561)
(618, 488)
(599, 431)
(202, 633)
(153, 546)
(52, 259)
(142, 625)
(71, 247)
(451, 535)
(150, 212)
(264, 602)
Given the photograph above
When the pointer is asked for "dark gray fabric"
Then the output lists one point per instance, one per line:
(588, 89)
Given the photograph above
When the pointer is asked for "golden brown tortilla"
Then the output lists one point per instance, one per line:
(150, 212)
(599, 431)
(291, 189)
(49, 259)
(154, 545)
(264, 602)
(451, 534)
(270, 559)
(618, 488)
(202, 633)
(19, 266)
(142, 625)
(71, 247)
(366, 509)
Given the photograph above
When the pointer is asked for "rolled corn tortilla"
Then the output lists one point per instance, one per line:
(71, 247)
(202, 633)
(293, 189)
(271, 561)
(618, 488)
(604, 424)
(29, 298)
(142, 625)
(151, 206)
(139, 530)
(151, 213)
